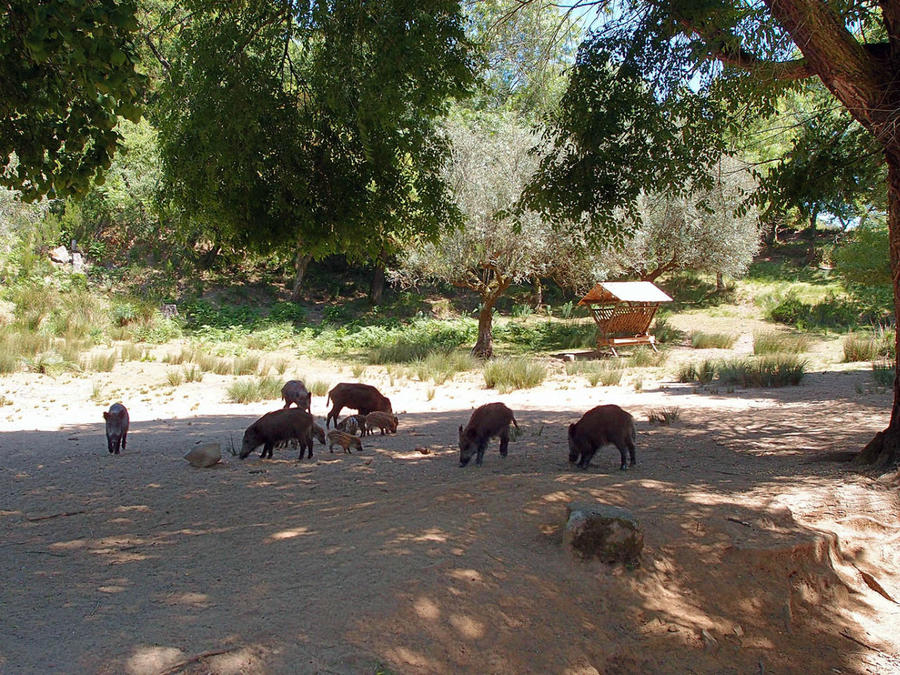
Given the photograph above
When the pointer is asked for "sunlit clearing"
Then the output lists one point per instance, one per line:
(287, 534)
(147, 660)
(426, 609)
(467, 626)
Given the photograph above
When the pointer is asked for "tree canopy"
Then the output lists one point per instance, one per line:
(67, 73)
(312, 122)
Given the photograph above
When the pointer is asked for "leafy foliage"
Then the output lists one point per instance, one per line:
(67, 73)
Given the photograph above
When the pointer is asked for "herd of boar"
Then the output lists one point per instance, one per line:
(596, 428)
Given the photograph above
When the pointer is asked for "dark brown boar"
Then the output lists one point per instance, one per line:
(275, 427)
(116, 427)
(597, 427)
(362, 397)
(491, 419)
(294, 391)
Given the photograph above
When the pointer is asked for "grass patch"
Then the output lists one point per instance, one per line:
(358, 370)
(666, 333)
(645, 357)
(702, 340)
(702, 372)
(249, 391)
(245, 365)
(509, 374)
(440, 367)
(883, 373)
(102, 362)
(175, 378)
(131, 352)
(317, 387)
(664, 416)
(606, 372)
(775, 370)
(193, 374)
(779, 343)
(872, 346)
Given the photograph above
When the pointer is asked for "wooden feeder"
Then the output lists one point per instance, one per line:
(623, 311)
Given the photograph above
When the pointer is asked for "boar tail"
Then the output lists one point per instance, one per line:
(514, 422)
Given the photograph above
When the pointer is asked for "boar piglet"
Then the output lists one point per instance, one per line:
(294, 391)
(488, 421)
(116, 427)
(597, 427)
(363, 398)
(275, 427)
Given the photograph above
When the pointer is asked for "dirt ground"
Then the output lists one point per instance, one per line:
(764, 551)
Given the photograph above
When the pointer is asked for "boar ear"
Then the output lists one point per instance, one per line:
(105, 415)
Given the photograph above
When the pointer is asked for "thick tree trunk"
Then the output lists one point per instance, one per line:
(884, 449)
(720, 283)
(376, 289)
(484, 346)
(538, 293)
(300, 265)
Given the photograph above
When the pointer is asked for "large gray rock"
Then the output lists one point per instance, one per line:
(205, 456)
(60, 255)
(603, 531)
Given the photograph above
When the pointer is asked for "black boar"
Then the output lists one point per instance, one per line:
(488, 421)
(380, 420)
(294, 391)
(275, 427)
(597, 427)
(363, 397)
(307, 443)
(116, 427)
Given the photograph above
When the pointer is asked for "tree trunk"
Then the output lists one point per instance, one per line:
(376, 289)
(720, 283)
(811, 235)
(300, 264)
(884, 449)
(538, 293)
(484, 346)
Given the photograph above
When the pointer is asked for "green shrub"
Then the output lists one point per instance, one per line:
(701, 340)
(883, 373)
(509, 374)
(606, 372)
(548, 335)
(779, 343)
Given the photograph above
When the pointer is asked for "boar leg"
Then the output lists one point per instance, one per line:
(482, 444)
(504, 442)
(622, 450)
(124, 436)
(630, 445)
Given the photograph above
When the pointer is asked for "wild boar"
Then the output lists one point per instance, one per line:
(597, 427)
(352, 424)
(345, 440)
(380, 420)
(362, 397)
(294, 391)
(116, 427)
(305, 444)
(274, 427)
(488, 421)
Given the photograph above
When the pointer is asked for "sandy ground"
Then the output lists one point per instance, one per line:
(764, 552)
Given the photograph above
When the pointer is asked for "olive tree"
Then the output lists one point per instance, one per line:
(711, 229)
(497, 245)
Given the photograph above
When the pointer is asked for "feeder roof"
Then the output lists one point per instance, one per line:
(624, 291)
